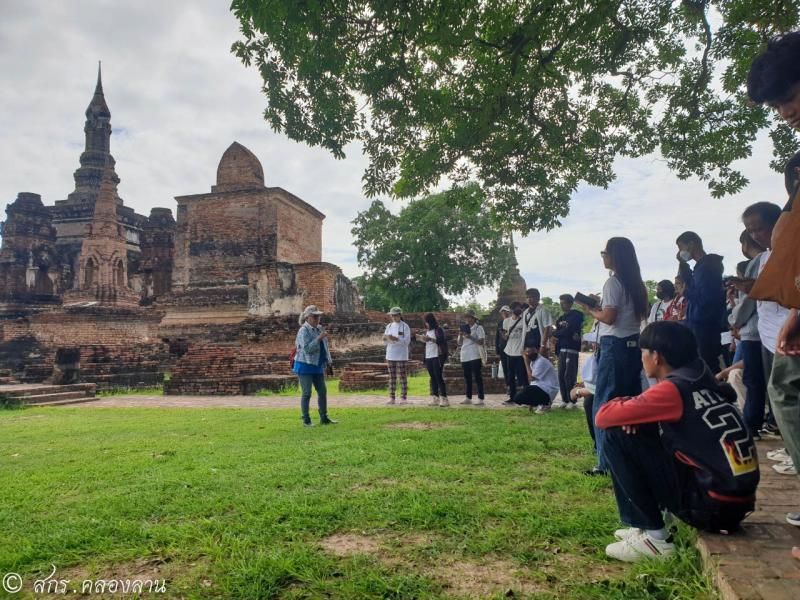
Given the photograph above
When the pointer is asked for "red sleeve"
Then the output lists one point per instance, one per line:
(662, 402)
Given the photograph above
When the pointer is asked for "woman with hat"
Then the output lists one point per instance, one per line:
(397, 337)
(311, 358)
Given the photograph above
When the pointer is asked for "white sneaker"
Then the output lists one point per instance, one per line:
(779, 455)
(541, 409)
(466, 401)
(390, 401)
(403, 401)
(626, 532)
(444, 402)
(480, 403)
(434, 401)
(638, 547)
(785, 468)
(571, 406)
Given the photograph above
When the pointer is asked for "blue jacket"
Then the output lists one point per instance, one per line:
(705, 293)
(309, 348)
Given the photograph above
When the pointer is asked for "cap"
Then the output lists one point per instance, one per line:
(505, 308)
(395, 310)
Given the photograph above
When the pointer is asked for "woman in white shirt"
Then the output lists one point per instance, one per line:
(397, 337)
(515, 339)
(435, 358)
(623, 307)
(472, 340)
(543, 382)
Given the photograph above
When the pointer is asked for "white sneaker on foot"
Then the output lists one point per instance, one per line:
(779, 455)
(541, 409)
(444, 402)
(638, 547)
(434, 401)
(480, 403)
(785, 468)
(466, 401)
(626, 532)
(390, 401)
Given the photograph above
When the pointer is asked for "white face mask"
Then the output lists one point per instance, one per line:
(685, 256)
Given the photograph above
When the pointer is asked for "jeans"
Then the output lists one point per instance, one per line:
(318, 382)
(784, 392)
(435, 368)
(708, 345)
(619, 366)
(647, 479)
(472, 368)
(755, 383)
(516, 375)
(504, 362)
(567, 373)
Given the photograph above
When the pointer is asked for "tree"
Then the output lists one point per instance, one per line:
(529, 98)
(444, 244)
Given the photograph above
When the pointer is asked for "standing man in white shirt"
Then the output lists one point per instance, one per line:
(515, 339)
(471, 339)
(397, 337)
(537, 323)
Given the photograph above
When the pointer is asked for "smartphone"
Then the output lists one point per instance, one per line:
(465, 329)
(587, 300)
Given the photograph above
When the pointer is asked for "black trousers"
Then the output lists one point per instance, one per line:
(517, 375)
(708, 346)
(588, 406)
(567, 373)
(532, 395)
(473, 368)
(435, 368)
(647, 479)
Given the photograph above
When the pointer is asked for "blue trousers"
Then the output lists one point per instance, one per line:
(318, 381)
(756, 384)
(619, 365)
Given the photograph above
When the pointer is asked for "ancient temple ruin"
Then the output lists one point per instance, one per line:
(131, 297)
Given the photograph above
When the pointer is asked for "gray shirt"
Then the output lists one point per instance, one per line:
(615, 296)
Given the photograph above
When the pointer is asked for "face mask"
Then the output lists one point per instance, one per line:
(685, 256)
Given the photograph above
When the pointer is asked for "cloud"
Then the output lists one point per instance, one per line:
(178, 98)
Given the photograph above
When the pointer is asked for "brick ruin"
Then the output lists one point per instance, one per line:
(91, 291)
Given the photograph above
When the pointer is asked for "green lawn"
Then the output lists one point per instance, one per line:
(246, 504)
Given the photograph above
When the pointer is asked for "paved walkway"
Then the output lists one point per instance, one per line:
(492, 401)
(756, 564)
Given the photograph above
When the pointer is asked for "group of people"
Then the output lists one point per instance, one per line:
(666, 424)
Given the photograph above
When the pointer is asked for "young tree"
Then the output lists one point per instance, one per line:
(529, 98)
(444, 244)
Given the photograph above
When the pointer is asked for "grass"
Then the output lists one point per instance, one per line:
(246, 504)
(418, 385)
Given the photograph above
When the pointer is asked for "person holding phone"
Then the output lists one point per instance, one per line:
(397, 337)
(311, 358)
(623, 307)
(436, 353)
(471, 337)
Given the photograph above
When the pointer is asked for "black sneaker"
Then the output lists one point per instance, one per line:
(594, 471)
(307, 424)
(328, 422)
(770, 432)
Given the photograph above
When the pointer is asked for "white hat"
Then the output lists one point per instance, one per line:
(311, 309)
(395, 310)
(505, 308)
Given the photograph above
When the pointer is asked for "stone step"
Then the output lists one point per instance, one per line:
(25, 391)
(56, 398)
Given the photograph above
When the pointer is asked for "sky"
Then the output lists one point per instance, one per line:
(178, 98)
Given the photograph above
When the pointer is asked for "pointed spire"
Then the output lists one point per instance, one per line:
(98, 107)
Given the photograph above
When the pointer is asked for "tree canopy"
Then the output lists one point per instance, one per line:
(528, 98)
(444, 244)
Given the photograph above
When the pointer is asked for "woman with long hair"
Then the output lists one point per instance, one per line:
(436, 353)
(620, 314)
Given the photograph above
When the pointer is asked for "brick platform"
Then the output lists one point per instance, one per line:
(756, 564)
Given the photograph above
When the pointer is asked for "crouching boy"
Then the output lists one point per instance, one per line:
(681, 446)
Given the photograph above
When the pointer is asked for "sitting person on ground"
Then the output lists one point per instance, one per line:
(471, 339)
(703, 288)
(397, 338)
(681, 446)
(567, 333)
(436, 353)
(311, 358)
(543, 387)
